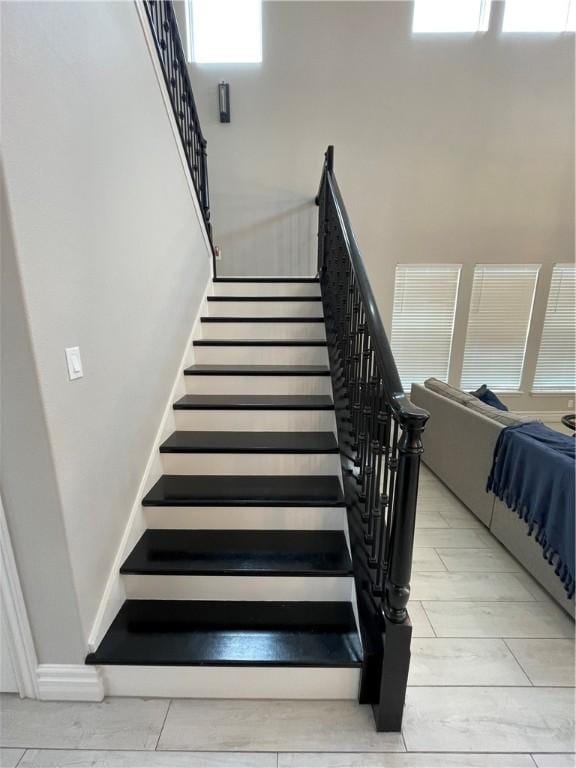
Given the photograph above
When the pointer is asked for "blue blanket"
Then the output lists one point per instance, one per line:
(533, 474)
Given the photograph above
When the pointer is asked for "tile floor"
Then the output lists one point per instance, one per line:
(491, 686)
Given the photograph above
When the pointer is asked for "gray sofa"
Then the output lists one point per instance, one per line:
(458, 447)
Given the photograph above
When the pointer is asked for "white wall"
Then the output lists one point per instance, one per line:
(448, 148)
(110, 257)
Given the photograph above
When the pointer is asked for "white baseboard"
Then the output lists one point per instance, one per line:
(114, 592)
(69, 682)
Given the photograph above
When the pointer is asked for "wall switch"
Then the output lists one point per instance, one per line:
(74, 362)
(570, 403)
(217, 253)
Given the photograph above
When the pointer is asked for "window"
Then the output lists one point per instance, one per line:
(556, 366)
(539, 16)
(226, 31)
(500, 311)
(450, 16)
(423, 320)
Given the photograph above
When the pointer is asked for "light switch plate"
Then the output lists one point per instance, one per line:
(74, 362)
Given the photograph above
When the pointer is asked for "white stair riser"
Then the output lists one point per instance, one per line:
(264, 308)
(250, 464)
(255, 355)
(255, 588)
(247, 518)
(232, 682)
(274, 330)
(256, 421)
(268, 289)
(259, 385)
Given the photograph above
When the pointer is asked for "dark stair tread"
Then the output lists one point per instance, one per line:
(264, 298)
(225, 633)
(266, 280)
(260, 319)
(240, 553)
(268, 442)
(254, 403)
(257, 370)
(259, 343)
(245, 491)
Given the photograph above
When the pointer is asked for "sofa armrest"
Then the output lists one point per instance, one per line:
(458, 447)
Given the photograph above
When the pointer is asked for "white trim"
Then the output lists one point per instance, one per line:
(317, 683)
(114, 592)
(69, 682)
(143, 18)
(19, 634)
(248, 588)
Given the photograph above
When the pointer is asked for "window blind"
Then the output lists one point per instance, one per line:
(498, 323)
(556, 366)
(423, 320)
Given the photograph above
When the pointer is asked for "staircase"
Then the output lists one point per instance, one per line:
(276, 555)
(245, 563)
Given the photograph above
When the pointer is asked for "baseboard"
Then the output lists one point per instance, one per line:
(114, 592)
(69, 682)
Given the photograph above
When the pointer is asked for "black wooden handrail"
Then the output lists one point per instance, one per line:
(164, 26)
(393, 391)
(379, 433)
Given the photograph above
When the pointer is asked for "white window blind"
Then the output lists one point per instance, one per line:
(498, 323)
(423, 320)
(556, 366)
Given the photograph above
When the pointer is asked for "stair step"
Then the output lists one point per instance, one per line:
(245, 491)
(240, 553)
(266, 280)
(224, 633)
(258, 319)
(257, 370)
(265, 298)
(254, 403)
(259, 343)
(250, 442)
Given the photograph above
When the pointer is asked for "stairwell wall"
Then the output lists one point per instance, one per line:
(110, 256)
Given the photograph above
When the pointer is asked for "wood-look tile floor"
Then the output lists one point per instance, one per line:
(491, 686)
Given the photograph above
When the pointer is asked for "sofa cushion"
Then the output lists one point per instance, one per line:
(506, 418)
(452, 393)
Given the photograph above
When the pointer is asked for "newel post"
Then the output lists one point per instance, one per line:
(397, 590)
(397, 627)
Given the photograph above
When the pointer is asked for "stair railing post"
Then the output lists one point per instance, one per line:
(397, 589)
(397, 626)
(323, 208)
